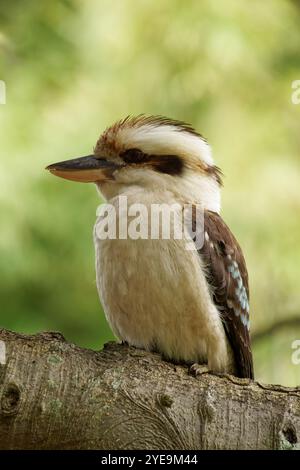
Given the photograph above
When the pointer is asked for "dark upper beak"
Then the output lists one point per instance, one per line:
(88, 169)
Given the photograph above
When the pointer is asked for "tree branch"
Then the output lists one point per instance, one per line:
(55, 395)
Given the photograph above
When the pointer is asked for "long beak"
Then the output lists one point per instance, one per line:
(84, 169)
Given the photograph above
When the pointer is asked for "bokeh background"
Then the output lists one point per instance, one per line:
(73, 67)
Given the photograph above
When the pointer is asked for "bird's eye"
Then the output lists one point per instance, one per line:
(134, 156)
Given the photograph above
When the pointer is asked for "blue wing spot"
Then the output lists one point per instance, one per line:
(236, 274)
(237, 292)
(240, 293)
(230, 269)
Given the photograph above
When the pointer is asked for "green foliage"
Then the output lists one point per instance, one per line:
(71, 68)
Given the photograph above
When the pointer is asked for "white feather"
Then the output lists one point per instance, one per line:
(165, 140)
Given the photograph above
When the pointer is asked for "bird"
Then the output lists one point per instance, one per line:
(189, 305)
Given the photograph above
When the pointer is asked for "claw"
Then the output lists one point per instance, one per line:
(198, 369)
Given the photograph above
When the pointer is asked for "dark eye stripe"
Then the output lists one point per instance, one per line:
(169, 164)
(134, 156)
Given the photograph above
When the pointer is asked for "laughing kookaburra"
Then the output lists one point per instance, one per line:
(191, 306)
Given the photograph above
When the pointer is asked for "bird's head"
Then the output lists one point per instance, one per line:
(150, 153)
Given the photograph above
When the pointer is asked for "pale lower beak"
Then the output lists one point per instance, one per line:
(88, 169)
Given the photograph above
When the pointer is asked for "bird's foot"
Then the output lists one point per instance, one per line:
(198, 369)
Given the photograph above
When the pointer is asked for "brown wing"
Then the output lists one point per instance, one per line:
(227, 276)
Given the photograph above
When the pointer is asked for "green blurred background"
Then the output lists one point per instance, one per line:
(71, 68)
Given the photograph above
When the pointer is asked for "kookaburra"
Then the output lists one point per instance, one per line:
(191, 306)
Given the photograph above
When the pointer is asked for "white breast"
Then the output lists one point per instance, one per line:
(155, 296)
